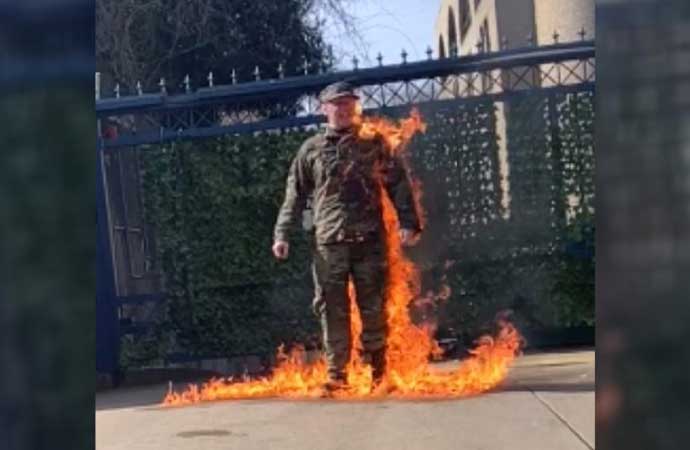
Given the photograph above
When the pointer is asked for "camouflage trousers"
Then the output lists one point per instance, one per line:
(333, 265)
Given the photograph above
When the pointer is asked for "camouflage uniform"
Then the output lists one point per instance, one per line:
(346, 177)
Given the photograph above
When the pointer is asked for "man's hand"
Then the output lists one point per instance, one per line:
(407, 237)
(280, 249)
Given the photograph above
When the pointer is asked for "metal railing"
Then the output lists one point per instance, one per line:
(219, 109)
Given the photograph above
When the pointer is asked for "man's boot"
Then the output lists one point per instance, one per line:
(378, 366)
(336, 381)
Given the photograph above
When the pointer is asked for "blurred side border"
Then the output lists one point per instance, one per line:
(47, 286)
(46, 42)
(643, 224)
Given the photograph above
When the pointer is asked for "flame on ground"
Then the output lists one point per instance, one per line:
(408, 347)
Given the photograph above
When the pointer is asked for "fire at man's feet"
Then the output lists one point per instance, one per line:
(408, 347)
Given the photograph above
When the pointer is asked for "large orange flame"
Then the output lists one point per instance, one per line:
(408, 347)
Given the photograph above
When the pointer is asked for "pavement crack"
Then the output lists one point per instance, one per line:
(563, 420)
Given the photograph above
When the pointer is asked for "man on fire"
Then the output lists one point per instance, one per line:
(346, 176)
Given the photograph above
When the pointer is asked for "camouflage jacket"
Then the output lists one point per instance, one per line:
(345, 174)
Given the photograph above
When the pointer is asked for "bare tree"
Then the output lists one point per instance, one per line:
(143, 40)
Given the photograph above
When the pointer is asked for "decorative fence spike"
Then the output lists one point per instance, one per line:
(187, 84)
(555, 37)
(257, 73)
(504, 43)
(117, 90)
(379, 58)
(233, 75)
(582, 33)
(139, 90)
(305, 66)
(530, 39)
(480, 46)
(210, 79)
(355, 63)
(281, 71)
(403, 55)
(429, 53)
(164, 89)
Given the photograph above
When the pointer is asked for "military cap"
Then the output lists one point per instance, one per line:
(337, 90)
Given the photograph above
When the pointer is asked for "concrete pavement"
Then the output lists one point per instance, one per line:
(547, 402)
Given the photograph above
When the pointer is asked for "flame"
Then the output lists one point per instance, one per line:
(408, 347)
(394, 134)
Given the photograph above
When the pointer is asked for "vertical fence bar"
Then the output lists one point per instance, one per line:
(107, 323)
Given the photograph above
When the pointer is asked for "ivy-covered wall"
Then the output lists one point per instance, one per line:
(212, 205)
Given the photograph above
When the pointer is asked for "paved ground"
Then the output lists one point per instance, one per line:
(546, 403)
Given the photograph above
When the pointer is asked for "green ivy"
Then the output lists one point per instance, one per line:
(213, 205)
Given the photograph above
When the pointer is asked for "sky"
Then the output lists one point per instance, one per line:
(387, 27)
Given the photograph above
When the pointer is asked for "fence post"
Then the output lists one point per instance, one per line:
(107, 322)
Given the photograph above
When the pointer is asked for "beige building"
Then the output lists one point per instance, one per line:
(465, 27)
(462, 24)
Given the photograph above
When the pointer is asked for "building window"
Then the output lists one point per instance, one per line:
(465, 18)
(452, 34)
(487, 81)
(486, 39)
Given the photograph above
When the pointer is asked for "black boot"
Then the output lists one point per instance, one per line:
(336, 381)
(378, 365)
